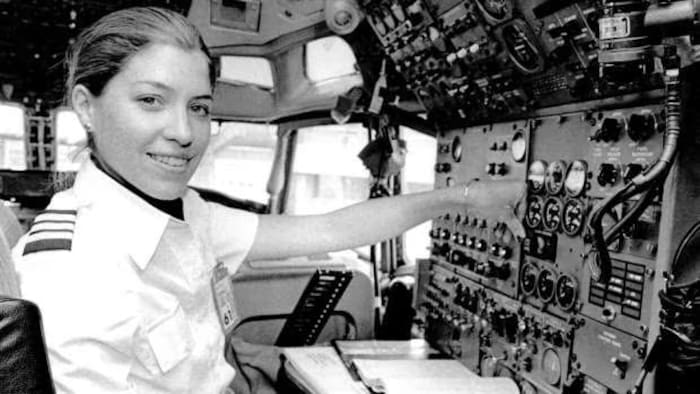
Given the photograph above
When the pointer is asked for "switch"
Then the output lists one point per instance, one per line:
(504, 252)
(610, 130)
(608, 174)
(642, 126)
(445, 234)
(491, 168)
(501, 169)
(621, 366)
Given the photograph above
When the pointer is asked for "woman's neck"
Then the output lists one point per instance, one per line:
(171, 207)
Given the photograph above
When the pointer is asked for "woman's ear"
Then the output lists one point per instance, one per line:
(83, 105)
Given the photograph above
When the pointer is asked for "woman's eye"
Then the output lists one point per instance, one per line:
(149, 101)
(200, 109)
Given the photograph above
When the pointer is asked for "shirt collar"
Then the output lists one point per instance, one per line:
(140, 224)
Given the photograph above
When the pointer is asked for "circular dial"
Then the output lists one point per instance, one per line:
(533, 214)
(545, 285)
(518, 147)
(551, 366)
(551, 214)
(536, 175)
(566, 292)
(554, 178)
(457, 149)
(576, 178)
(572, 217)
(528, 279)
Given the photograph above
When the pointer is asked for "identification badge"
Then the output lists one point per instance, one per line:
(223, 298)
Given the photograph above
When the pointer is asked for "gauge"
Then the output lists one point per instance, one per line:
(495, 10)
(551, 214)
(533, 213)
(528, 279)
(518, 147)
(566, 292)
(545, 285)
(551, 366)
(536, 175)
(527, 388)
(457, 149)
(572, 217)
(554, 178)
(576, 178)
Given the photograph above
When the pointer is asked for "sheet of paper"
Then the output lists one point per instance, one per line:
(320, 370)
(430, 376)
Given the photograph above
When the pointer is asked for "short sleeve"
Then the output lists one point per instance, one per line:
(88, 322)
(233, 232)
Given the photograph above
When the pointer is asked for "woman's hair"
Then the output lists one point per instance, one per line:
(101, 50)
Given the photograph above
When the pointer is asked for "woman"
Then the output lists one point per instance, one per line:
(120, 264)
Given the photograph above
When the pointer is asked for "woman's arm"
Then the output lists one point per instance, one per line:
(281, 236)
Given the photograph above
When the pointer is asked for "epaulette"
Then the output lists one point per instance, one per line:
(52, 229)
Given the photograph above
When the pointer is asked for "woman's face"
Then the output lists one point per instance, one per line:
(151, 122)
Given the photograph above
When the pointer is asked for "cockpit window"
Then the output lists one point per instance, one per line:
(70, 140)
(246, 70)
(12, 151)
(238, 160)
(328, 58)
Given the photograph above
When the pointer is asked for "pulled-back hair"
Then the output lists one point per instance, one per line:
(101, 50)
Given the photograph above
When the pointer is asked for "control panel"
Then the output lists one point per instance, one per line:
(529, 308)
(580, 101)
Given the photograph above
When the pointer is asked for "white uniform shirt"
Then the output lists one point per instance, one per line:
(126, 298)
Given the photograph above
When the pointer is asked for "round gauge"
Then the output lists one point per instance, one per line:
(551, 366)
(536, 175)
(528, 279)
(488, 366)
(554, 177)
(545, 285)
(518, 146)
(576, 178)
(533, 213)
(527, 388)
(457, 149)
(566, 292)
(572, 217)
(551, 214)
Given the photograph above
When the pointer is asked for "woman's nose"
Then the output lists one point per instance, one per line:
(179, 129)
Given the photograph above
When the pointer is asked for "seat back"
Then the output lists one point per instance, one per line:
(24, 365)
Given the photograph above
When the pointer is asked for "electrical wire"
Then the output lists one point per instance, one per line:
(598, 257)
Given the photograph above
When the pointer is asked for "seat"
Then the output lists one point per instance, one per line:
(24, 365)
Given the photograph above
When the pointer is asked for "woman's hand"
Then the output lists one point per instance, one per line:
(498, 200)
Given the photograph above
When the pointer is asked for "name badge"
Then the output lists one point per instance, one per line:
(223, 298)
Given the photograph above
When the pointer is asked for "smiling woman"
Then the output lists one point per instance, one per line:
(149, 125)
(121, 263)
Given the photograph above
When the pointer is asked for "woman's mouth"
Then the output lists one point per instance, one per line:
(170, 161)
